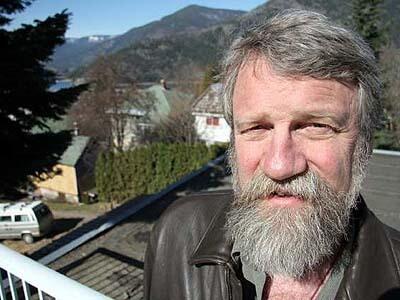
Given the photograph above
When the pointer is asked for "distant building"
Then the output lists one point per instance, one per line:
(138, 115)
(72, 173)
(210, 123)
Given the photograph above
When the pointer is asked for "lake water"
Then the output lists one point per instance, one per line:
(61, 84)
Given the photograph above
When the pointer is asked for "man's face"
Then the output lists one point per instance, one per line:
(294, 145)
(284, 127)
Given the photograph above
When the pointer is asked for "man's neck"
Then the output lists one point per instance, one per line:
(283, 287)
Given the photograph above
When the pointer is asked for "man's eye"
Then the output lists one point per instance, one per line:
(254, 129)
(317, 128)
(258, 127)
(318, 125)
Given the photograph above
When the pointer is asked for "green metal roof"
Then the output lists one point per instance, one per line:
(54, 126)
(74, 151)
(166, 99)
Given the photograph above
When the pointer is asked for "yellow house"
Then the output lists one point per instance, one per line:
(65, 184)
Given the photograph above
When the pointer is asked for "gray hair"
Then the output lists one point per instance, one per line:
(302, 43)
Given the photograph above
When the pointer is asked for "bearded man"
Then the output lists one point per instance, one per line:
(301, 95)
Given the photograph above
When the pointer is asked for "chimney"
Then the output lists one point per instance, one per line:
(164, 84)
(76, 129)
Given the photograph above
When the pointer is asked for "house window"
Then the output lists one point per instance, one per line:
(212, 121)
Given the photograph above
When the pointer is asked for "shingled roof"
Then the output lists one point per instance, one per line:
(74, 151)
(210, 101)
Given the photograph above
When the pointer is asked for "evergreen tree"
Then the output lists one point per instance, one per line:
(210, 77)
(368, 20)
(389, 136)
(26, 103)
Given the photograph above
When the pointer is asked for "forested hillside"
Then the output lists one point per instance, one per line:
(174, 55)
(189, 20)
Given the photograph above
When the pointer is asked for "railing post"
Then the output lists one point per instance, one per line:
(27, 291)
(12, 286)
(2, 292)
(43, 278)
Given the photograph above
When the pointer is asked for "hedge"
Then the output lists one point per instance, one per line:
(148, 169)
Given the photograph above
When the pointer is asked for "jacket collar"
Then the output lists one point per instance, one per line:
(215, 247)
(374, 268)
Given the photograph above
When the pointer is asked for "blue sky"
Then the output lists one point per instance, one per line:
(116, 16)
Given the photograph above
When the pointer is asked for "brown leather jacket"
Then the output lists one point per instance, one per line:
(189, 257)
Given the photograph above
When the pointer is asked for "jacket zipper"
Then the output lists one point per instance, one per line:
(228, 283)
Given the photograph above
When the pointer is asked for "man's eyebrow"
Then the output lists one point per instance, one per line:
(254, 120)
(340, 120)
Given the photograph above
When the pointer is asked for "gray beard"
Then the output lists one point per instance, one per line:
(291, 241)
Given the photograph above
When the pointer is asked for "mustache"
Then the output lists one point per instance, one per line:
(309, 186)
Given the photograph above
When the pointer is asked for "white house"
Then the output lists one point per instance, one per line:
(210, 123)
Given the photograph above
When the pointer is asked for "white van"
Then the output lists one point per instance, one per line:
(25, 220)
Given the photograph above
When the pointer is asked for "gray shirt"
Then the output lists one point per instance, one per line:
(328, 290)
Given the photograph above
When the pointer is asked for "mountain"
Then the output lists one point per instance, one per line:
(184, 56)
(178, 57)
(189, 20)
(66, 55)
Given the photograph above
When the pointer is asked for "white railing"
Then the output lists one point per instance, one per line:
(23, 272)
(386, 152)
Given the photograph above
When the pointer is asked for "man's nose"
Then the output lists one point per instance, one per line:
(283, 157)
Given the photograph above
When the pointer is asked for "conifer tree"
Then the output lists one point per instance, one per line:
(368, 20)
(210, 77)
(26, 103)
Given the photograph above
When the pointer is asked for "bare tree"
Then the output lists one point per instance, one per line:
(100, 112)
(178, 126)
(188, 78)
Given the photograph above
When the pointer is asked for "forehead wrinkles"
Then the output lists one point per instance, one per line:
(263, 70)
(329, 90)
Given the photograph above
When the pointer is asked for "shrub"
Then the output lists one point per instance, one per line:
(147, 169)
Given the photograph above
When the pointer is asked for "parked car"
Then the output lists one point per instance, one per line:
(25, 220)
